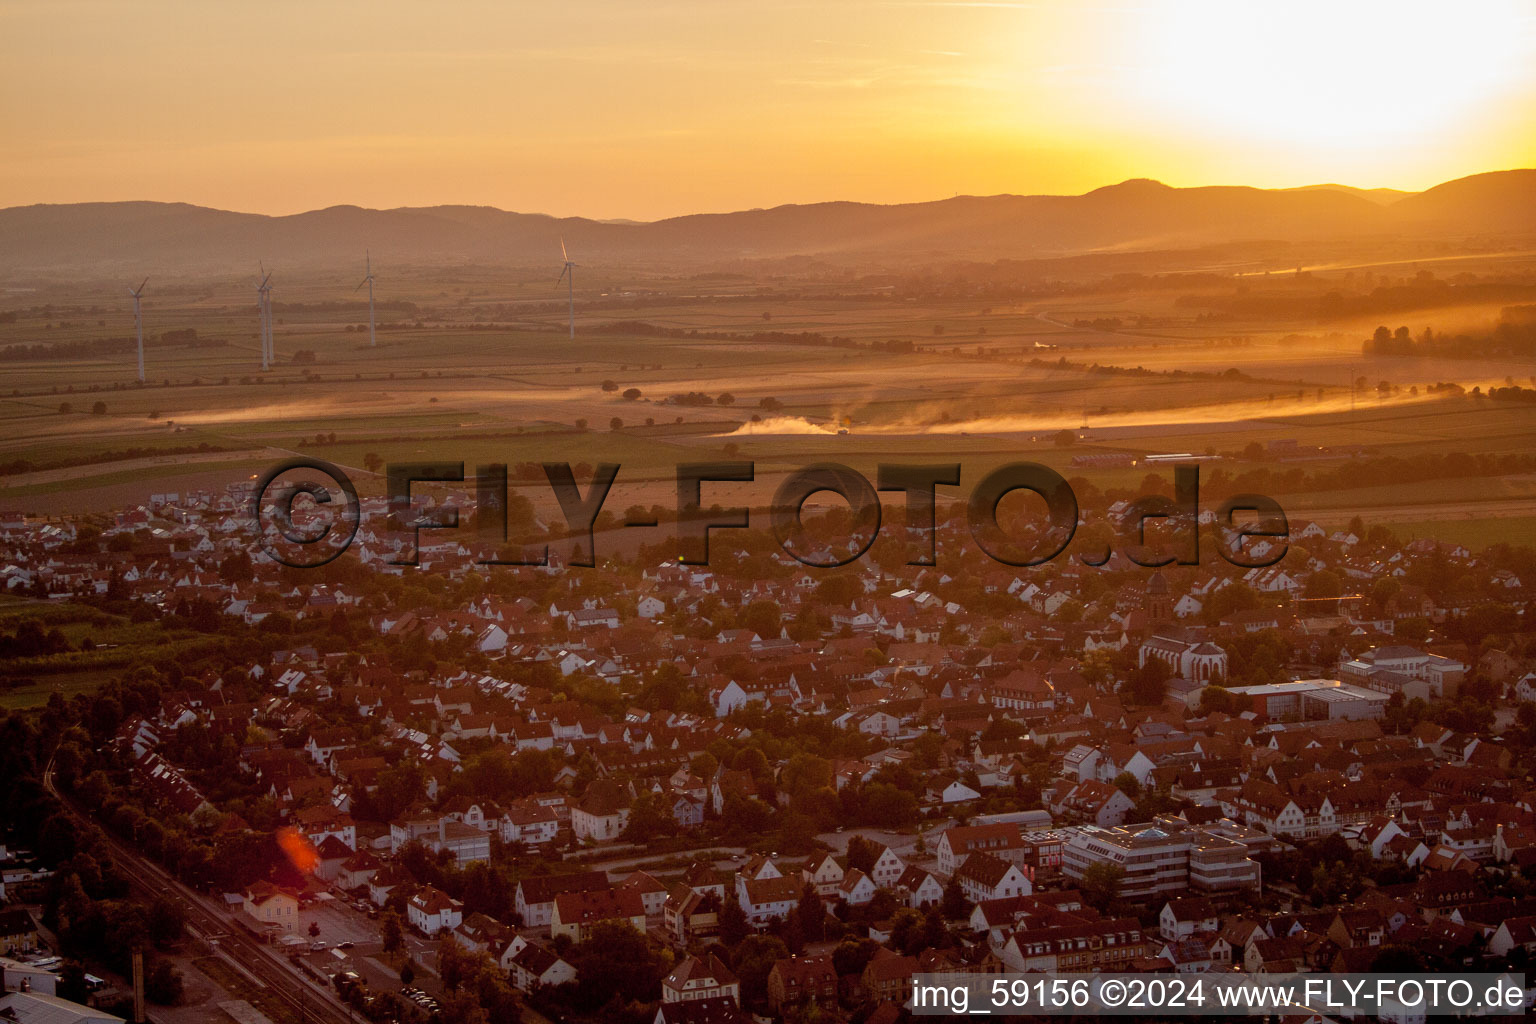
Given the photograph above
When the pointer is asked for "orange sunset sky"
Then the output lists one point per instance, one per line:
(619, 108)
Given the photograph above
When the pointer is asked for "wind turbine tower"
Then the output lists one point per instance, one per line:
(264, 306)
(568, 275)
(138, 323)
(369, 282)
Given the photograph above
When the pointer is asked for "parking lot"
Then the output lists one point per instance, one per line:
(902, 843)
(338, 923)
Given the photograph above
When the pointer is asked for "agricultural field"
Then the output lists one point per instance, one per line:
(79, 648)
(474, 365)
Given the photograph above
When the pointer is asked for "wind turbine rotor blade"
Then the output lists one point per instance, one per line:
(563, 254)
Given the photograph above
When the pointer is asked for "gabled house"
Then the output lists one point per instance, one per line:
(986, 877)
(270, 907)
(576, 913)
(431, 911)
(919, 888)
(697, 978)
(1187, 917)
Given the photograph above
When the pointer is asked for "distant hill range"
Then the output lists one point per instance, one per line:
(1133, 215)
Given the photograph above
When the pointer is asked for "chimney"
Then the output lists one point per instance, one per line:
(138, 986)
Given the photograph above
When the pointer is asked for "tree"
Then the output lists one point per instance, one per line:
(726, 398)
(791, 931)
(1147, 684)
(166, 920)
(853, 955)
(754, 958)
(887, 806)
(72, 984)
(397, 788)
(881, 905)
(93, 791)
(1064, 438)
(314, 929)
(733, 922)
(954, 905)
(99, 409)
(1219, 698)
(497, 997)
(753, 761)
(861, 853)
(1324, 583)
(746, 814)
(1384, 589)
(806, 773)
(928, 750)
(906, 931)
(609, 385)
(934, 934)
(631, 394)
(462, 1008)
(614, 959)
(1128, 784)
(762, 618)
(1101, 884)
(1235, 597)
(372, 461)
(407, 972)
(616, 424)
(455, 964)
(813, 917)
(392, 933)
(163, 984)
(649, 817)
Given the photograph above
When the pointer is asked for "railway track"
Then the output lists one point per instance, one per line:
(246, 956)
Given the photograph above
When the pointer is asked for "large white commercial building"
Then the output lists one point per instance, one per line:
(1313, 700)
(1163, 858)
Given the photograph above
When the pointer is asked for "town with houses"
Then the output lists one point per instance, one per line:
(758, 791)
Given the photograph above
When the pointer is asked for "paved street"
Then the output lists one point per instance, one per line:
(903, 843)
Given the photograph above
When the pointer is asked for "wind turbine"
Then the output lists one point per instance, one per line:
(568, 275)
(264, 306)
(369, 282)
(138, 323)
